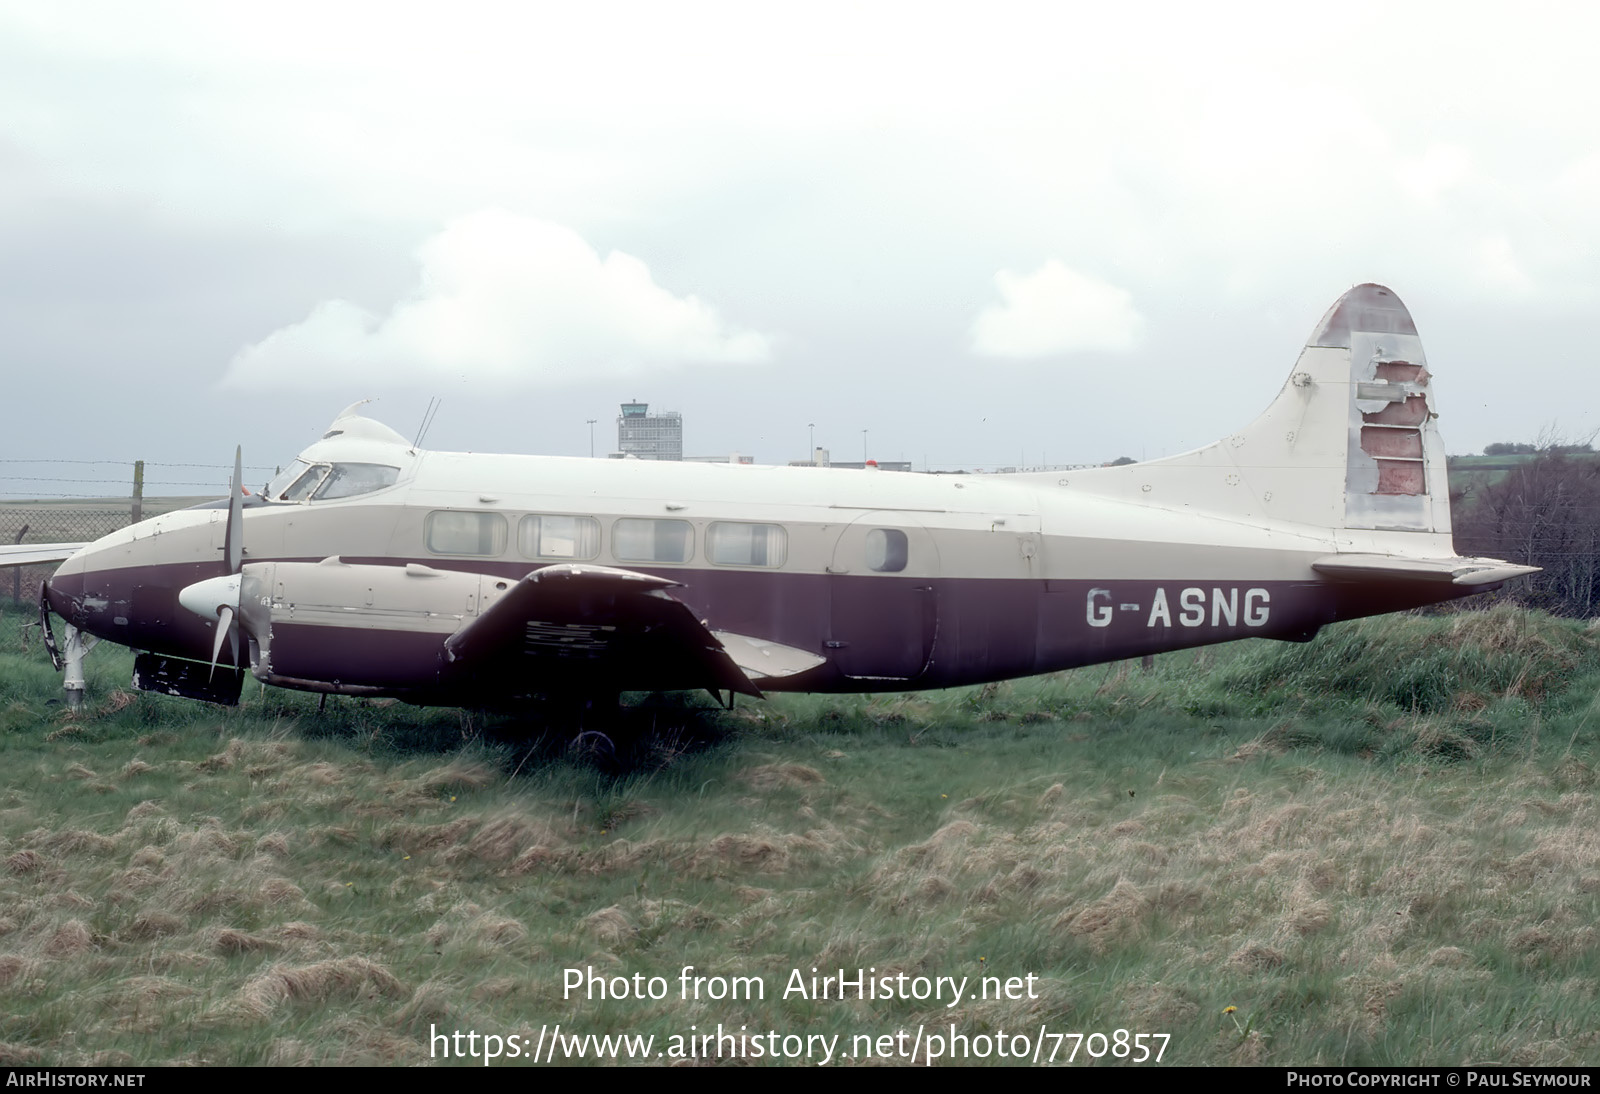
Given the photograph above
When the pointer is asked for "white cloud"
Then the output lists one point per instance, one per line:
(509, 300)
(1438, 170)
(1056, 310)
(1499, 268)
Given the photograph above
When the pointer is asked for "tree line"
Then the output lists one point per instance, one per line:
(1544, 512)
(1519, 448)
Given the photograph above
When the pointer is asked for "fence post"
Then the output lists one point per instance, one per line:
(16, 572)
(138, 491)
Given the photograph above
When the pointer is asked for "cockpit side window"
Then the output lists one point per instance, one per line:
(280, 482)
(301, 488)
(347, 480)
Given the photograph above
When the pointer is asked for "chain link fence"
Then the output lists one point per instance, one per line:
(49, 522)
(58, 524)
(79, 501)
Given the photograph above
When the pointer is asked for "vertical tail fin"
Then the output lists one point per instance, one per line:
(1350, 442)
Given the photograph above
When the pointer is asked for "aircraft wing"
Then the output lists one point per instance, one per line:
(580, 621)
(31, 554)
(1456, 571)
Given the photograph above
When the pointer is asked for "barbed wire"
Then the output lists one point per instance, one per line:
(125, 484)
(43, 478)
(147, 463)
(214, 466)
(13, 496)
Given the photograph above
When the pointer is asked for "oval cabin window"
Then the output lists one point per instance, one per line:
(887, 550)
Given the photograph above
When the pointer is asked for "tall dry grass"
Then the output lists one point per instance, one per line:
(1379, 848)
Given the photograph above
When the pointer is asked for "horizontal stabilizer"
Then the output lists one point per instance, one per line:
(1456, 571)
(31, 554)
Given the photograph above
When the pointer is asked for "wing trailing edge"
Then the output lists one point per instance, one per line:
(601, 620)
(760, 659)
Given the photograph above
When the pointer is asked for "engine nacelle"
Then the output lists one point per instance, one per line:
(356, 629)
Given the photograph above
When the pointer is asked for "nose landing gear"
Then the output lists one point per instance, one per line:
(69, 654)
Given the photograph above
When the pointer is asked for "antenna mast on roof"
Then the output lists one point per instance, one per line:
(434, 403)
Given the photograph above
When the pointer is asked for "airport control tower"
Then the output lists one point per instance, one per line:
(649, 436)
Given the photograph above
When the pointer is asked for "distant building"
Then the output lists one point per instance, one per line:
(732, 457)
(819, 458)
(879, 465)
(647, 436)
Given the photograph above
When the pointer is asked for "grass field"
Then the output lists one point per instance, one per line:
(1380, 847)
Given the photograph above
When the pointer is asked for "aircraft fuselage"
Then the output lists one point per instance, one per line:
(370, 567)
(995, 577)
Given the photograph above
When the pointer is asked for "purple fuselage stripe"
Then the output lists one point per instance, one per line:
(878, 632)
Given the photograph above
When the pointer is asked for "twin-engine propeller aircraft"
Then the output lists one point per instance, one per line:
(369, 567)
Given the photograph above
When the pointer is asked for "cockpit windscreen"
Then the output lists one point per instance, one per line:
(301, 481)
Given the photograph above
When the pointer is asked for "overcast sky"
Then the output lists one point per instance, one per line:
(984, 234)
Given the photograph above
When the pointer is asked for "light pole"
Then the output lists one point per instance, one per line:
(591, 436)
(863, 448)
(812, 455)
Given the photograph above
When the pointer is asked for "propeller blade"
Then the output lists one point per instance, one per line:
(224, 626)
(233, 541)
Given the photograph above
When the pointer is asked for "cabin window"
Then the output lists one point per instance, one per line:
(638, 540)
(457, 533)
(547, 536)
(729, 544)
(347, 480)
(887, 550)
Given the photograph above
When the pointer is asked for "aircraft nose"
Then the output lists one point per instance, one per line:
(63, 590)
(125, 586)
(87, 593)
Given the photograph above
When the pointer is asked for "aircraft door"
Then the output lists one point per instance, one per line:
(884, 616)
